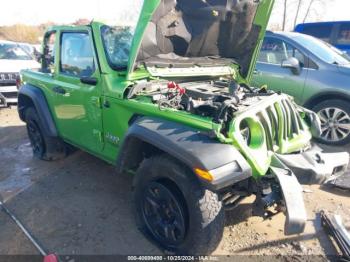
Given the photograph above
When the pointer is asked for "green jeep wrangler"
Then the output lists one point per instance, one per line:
(168, 100)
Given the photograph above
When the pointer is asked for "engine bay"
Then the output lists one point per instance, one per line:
(218, 99)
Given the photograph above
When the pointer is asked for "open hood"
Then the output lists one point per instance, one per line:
(176, 34)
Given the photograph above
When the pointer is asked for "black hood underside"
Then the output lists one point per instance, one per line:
(186, 32)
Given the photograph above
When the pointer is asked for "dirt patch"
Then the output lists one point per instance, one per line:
(80, 206)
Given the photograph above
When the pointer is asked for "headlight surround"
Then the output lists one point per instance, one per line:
(252, 132)
(252, 144)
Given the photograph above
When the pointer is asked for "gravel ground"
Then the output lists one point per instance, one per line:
(79, 206)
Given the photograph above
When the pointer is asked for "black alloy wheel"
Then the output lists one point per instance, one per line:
(164, 214)
(35, 138)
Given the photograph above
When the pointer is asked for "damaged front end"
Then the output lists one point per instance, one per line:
(199, 56)
(278, 128)
(275, 135)
(269, 130)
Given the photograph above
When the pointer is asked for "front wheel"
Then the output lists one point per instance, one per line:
(174, 210)
(335, 121)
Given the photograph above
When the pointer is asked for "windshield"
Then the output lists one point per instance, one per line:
(117, 43)
(13, 52)
(117, 38)
(322, 50)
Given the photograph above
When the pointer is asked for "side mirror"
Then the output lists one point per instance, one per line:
(293, 64)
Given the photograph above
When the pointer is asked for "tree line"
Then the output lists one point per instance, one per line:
(292, 12)
(30, 33)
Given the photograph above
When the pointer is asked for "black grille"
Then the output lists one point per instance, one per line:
(8, 78)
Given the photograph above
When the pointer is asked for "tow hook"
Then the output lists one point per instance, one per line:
(269, 201)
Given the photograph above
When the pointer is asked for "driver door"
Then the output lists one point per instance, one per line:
(78, 90)
(269, 70)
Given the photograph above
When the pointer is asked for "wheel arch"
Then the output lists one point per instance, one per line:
(148, 136)
(313, 101)
(31, 96)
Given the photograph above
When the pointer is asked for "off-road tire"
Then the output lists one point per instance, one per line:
(44, 147)
(203, 212)
(333, 103)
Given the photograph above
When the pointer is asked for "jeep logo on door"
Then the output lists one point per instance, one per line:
(112, 139)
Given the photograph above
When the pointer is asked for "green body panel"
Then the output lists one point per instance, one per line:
(83, 121)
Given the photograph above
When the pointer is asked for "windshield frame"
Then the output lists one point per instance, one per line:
(315, 46)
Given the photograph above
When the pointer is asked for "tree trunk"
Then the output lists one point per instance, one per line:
(284, 15)
(308, 10)
(297, 14)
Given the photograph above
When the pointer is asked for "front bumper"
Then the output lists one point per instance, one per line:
(280, 190)
(8, 95)
(314, 166)
(292, 194)
(309, 167)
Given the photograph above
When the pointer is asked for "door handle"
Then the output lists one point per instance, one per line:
(59, 90)
(89, 80)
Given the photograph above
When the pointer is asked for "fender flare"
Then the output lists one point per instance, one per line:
(38, 100)
(193, 148)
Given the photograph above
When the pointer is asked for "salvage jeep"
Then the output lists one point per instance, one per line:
(168, 99)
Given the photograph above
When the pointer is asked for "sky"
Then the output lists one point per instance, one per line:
(35, 12)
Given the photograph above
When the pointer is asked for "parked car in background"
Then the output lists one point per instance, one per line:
(316, 74)
(13, 58)
(335, 33)
(33, 50)
(27, 47)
